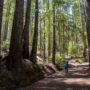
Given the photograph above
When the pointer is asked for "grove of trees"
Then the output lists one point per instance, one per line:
(43, 31)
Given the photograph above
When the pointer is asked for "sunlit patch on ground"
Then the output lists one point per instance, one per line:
(78, 78)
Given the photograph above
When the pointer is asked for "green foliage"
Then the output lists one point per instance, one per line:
(74, 49)
(5, 45)
(59, 59)
(70, 47)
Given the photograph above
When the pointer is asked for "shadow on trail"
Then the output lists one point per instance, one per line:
(78, 78)
(62, 87)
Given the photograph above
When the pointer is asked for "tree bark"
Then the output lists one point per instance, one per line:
(1, 13)
(1, 10)
(15, 52)
(54, 37)
(44, 42)
(35, 38)
(49, 36)
(26, 31)
(40, 38)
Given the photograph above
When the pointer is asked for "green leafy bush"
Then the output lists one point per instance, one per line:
(59, 59)
(74, 49)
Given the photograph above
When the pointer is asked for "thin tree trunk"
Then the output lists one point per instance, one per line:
(40, 38)
(1, 10)
(68, 39)
(49, 40)
(35, 38)
(54, 37)
(26, 31)
(44, 44)
(63, 37)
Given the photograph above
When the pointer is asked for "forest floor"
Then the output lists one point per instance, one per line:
(78, 78)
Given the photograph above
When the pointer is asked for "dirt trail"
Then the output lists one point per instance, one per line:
(78, 78)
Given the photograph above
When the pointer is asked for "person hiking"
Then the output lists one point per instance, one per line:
(66, 66)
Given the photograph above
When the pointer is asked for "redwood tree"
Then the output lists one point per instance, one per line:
(15, 53)
(54, 36)
(26, 31)
(1, 10)
(35, 37)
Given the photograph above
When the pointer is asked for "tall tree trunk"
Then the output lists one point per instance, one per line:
(40, 38)
(49, 40)
(82, 18)
(54, 37)
(15, 52)
(1, 10)
(26, 31)
(44, 42)
(35, 38)
(88, 28)
(63, 45)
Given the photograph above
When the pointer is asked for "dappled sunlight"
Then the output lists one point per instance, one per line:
(78, 77)
(74, 81)
(45, 44)
(82, 74)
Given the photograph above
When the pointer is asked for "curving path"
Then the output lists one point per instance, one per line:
(78, 78)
